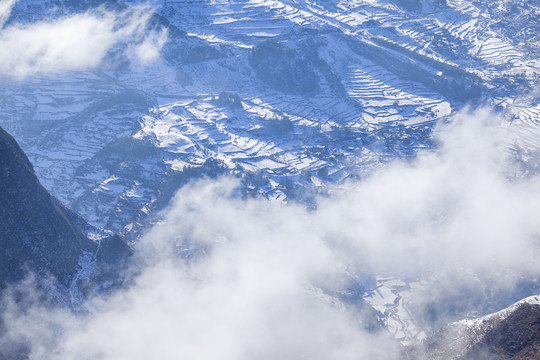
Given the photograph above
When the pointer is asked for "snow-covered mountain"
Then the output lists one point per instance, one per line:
(292, 97)
(511, 333)
(288, 95)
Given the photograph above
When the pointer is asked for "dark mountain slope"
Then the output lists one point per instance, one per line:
(512, 333)
(38, 233)
(515, 337)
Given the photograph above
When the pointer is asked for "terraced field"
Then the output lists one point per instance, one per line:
(291, 97)
(379, 76)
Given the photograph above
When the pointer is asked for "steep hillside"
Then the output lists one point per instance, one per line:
(39, 234)
(512, 333)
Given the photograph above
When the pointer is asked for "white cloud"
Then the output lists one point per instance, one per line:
(250, 296)
(256, 288)
(75, 42)
(5, 10)
(148, 50)
(448, 209)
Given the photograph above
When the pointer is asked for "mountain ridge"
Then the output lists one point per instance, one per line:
(511, 333)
